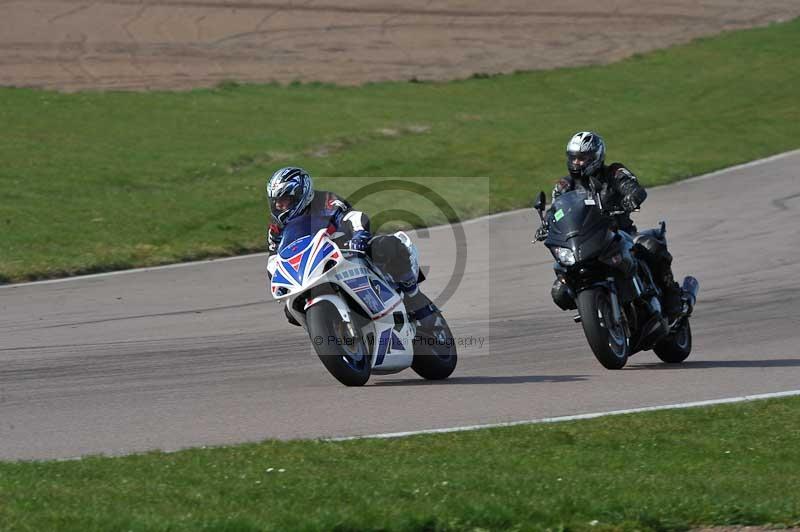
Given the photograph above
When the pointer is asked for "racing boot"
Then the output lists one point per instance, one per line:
(419, 307)
(689, 294)
(673, 299)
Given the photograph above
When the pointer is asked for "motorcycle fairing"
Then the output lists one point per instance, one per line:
(392, 348)
(366, 287)
(363, 289)
(575, 222)
(300, 263)
(384, 292)
(389, 342)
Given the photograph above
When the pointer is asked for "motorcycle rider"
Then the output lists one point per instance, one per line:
(619, 190)
(291, 194)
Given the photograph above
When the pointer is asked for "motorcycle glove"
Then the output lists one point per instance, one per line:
(359, 242)
(541, 233)
(629, 203)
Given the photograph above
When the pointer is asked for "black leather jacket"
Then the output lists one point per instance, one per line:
(619, 190)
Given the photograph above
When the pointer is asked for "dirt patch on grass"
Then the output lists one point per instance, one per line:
(180, 44)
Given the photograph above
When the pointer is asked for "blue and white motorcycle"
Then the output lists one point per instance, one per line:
(353, 314)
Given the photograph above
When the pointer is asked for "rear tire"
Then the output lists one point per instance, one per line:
(435, 354)
(347, 358)
(607, 340)
(676, 347)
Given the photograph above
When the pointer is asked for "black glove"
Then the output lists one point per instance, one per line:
(629, 204)
(541, 233)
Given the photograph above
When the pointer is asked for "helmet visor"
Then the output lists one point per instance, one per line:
(284, 203)
(579, 159)
(579, 162)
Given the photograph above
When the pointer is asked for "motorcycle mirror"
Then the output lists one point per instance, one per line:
(541, 201)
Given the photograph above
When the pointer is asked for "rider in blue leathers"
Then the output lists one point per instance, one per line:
(291, 194)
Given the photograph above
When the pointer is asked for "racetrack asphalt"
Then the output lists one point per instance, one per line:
(199, 354)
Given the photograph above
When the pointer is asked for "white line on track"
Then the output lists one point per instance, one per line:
(472, 220)
(677, 406)
(392, 435)
(133, 270)
(742, 166)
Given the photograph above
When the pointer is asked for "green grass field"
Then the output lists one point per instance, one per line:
(98, 181)
(660, 471)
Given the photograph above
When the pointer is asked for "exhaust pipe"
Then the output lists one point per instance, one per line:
(690, 288)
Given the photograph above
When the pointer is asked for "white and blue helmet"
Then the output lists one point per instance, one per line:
(586, 153)
(289, 191)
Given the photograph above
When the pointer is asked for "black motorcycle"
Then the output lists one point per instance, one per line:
(612, 286)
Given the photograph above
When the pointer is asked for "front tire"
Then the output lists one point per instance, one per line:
(435, 354)
(607, 339)
(346, 357)
(676, 347)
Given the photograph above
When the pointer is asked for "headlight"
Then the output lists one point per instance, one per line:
(564, 255)
(282, 291)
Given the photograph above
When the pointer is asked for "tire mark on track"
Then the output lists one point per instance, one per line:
(141, 344)
(126, 27)
(83, 52)
(266, 18)
(347, 27)
(136, 17)
(110, 46)
(370, 10)
(780, 203)
(153, 315)
(70, 12)
(198, 30)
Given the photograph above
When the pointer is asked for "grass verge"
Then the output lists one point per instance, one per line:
(667, 470)
(98, 181)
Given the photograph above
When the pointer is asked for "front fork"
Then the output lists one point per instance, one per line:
(616, 311)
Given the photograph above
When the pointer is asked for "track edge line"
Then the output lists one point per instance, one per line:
(575, 417)
(485, 217)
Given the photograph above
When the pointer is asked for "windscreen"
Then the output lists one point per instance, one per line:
(302, 226)
(572, 213)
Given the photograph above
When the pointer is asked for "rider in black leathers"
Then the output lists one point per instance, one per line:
(619, 190)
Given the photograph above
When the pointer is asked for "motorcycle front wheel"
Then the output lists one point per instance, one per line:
(606, 338)
(345, 355)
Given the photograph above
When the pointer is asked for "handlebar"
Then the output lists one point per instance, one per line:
(349, 253)
(618, 213)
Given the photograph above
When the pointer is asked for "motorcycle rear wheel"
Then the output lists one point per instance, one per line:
(435, 354)
(607, 339)
(347, 358)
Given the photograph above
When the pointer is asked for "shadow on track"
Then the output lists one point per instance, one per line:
(705, 364)
(510, 379)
